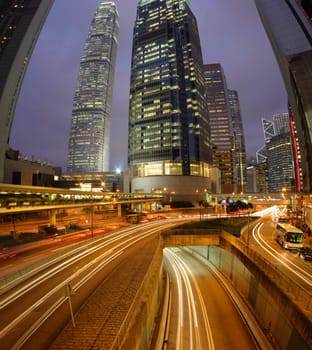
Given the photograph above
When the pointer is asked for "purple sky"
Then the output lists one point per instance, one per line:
(231, 34)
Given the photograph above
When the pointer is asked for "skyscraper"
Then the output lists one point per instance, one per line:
(239, 149)
(169, 146)
(281, 172)
(89, 142)
(289, 27)
(278, 154)
(20, 24)
(220, 121)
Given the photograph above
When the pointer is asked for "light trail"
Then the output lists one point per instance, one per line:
(121, 240)
(183, 273)
(74, 256)
(297, 270)
(67, 281)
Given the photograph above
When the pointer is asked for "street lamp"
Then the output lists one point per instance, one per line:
(91, 211)
(248, 233)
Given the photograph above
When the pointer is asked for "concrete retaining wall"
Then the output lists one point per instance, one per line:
(138, 335)
(269, 312)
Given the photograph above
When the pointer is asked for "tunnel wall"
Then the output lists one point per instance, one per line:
(137, 330)
(269, 313)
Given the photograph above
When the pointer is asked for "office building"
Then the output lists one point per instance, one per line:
(20, 24)
(89, 141)
(281, 123)
(220, 123)
(239, 149)
(280, 163)
(281, 170)
(277, 153)
(257, 175)
(95, 182)
(169, 147)
(289, 28)
(26, 171)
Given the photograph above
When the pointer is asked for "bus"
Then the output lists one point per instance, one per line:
(288, 236)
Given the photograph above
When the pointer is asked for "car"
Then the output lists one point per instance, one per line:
(306, 253)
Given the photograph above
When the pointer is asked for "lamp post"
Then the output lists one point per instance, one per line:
(248, 228)
(205, 202)
(91, 211)
(13, 233)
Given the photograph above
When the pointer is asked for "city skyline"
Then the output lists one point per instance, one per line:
(236, 40)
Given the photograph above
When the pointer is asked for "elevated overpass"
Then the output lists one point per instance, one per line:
(15, 199)
(32, 198)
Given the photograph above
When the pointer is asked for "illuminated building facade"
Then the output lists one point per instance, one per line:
(281, 170)
(89, 142)
(169, 142)
(280, 163)
(289, 27)
(20, 24)
(239, 149)
(220, 121)
(277, 153)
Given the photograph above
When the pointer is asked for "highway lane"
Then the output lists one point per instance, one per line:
(296, 269)
(20, 256)
(51, 295)
(202, 314)
(292, 274)
(27, 307)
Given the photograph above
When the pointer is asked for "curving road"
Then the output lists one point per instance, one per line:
(202, 312)
(297, 270)
(202, 315)
(39, 305)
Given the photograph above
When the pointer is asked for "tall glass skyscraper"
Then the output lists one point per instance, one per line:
(220, 120)
(289, 27)
(89, 142)
(239, 149)
(280, 158)
(168, 122)
(20, 24)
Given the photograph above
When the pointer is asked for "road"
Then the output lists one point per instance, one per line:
(17, 257)
(34, 310)
(202, 313)
(41, 303)
(298, 271)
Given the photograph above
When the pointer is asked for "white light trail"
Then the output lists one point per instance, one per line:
(294, 268)
(183, 272)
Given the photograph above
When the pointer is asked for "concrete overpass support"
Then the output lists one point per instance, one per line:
(52, 217)
(147, 206)
(119, 213)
